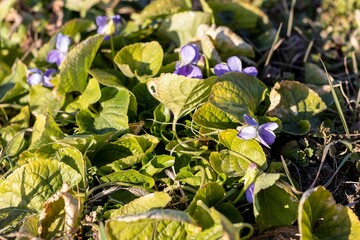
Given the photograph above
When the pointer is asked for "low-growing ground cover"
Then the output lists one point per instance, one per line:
(179, 119)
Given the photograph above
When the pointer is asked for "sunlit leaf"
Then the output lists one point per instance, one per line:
(180, 94)
(140, 60)
(75, 68)
(211, 117)
(29, 186)
(45, 101)
(158, 224)
(321, 218)
(143, 204)
(295, 104)
(113, 113)
(209, 194)
(237, 94)
(181, 27)
(45, 130)
(90, 96)
(130, 176)
(15, 84)
(235, 161)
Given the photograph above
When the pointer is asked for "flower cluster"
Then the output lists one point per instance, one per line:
(62, 46)
(189, 55)
(108, 26)
(233, 64)
(36, 76)
(263, 133)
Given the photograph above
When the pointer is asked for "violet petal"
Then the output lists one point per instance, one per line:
(249, 193)
(234, 64)
(247, 133)
(189, 54)
(116, 19)
(250, 71)
(189, 71)
(62, 42)
(101, 21)
(220, 69)
(251, 121)
(34, 76)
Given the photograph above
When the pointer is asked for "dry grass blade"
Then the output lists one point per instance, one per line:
(274, 45)
(291, 18)
(337, 103)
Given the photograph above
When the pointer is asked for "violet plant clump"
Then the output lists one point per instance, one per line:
(189, 57)
(234, 64)
(35, 76)
(263, 133)
(108, 25)
(58, 55)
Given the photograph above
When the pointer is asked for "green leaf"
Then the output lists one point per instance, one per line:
(226, 41)
(90, 96)
(29, 186)
(61, 213)
(130, 176)
(210, 116)
(274, 204)
(64, 153)
(186, 146)
(45, 130)
(157, 164)
(237, 94)
(143, 204)
(234, 162)
(180, 94)
(215, 225)
(138, 144)
(45, 101)
(321, 218)
(15, 84)
(154, 224)
(209, 194)
(75, 68)
(81, 6)
(113, 113)
(295, 104)
(131, 149)
(181, 27)
(265, 181)
(238, 15)
(16, 145)
(29, 227)
(315, 75)
(140, 60)
(161, 8)
(108, 77)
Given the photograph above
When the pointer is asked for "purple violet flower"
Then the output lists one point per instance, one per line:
(189, 55)
(263, 133)
(36, 76)
(58, 55)
(249, 193)
(107, 25)
(233, 64)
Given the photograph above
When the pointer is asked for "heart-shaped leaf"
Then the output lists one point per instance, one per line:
(295, 104)
(180, 94)
(237, 94)
(140, 60)
(321, 218)
(75, 68)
